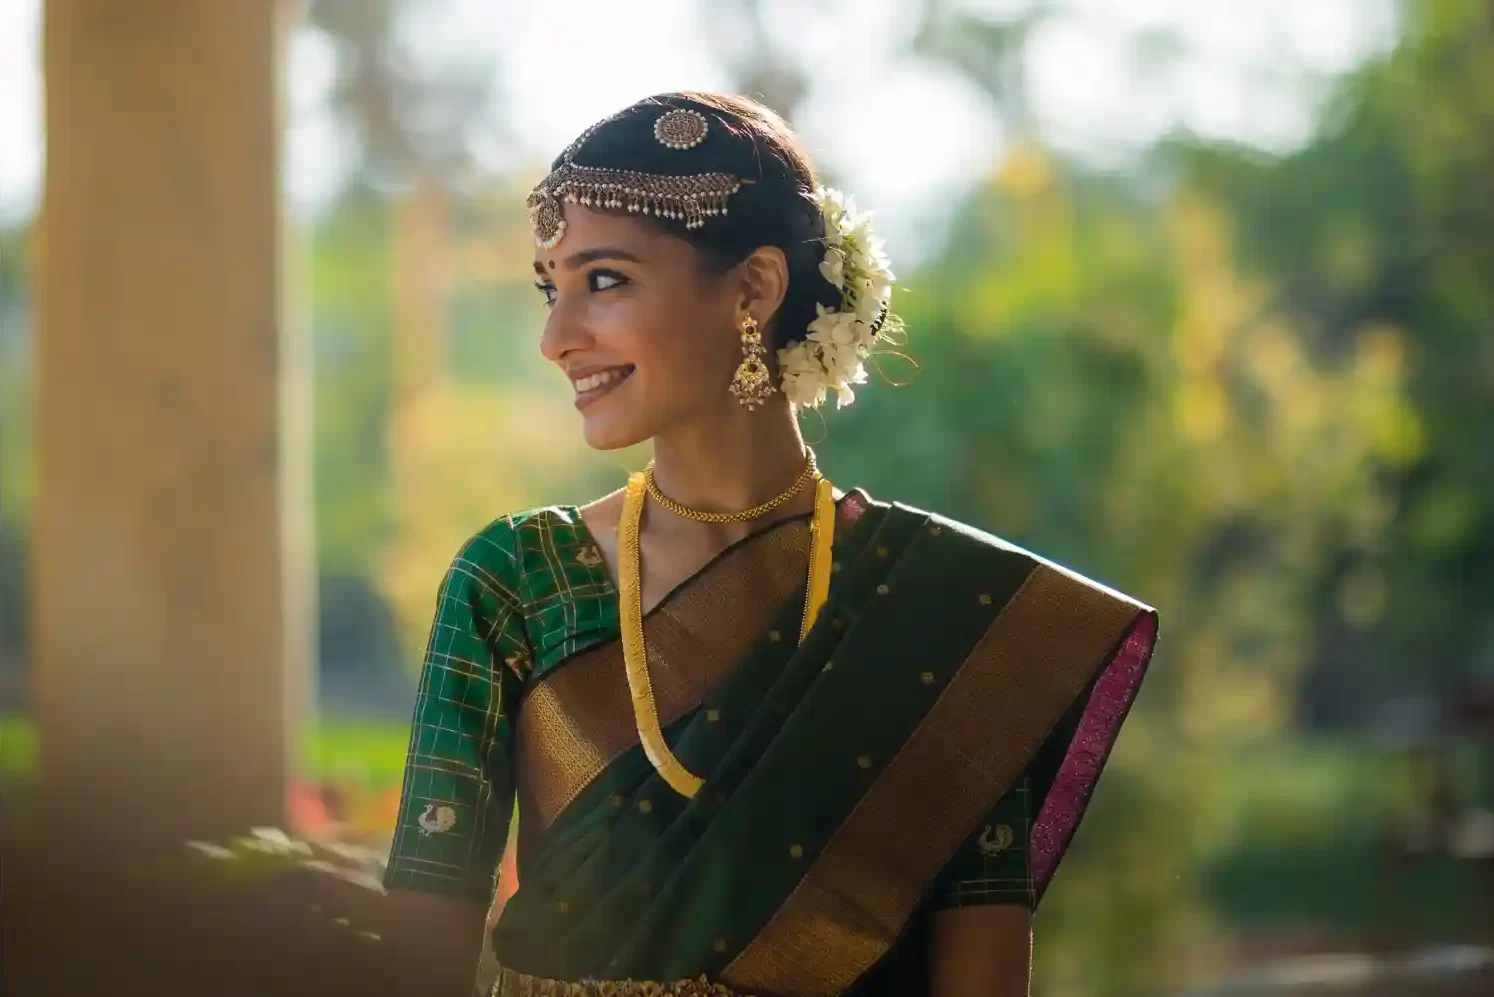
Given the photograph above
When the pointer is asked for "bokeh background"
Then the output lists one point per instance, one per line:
(1201, 301)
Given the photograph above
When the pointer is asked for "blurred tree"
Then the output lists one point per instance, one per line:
(756, 61)
(420, 114)
(17, 466)
(417, 110)
(1379, 241)
(989, 50)
(1212, 396)
(17, 481)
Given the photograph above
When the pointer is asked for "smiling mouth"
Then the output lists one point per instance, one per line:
(594, 386)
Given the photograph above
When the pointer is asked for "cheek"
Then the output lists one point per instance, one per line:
(699, 350)
(673, 336)
(619, 326)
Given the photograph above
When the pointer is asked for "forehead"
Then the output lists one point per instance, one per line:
(587, 229)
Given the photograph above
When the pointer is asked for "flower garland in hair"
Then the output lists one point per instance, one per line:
(832, 356)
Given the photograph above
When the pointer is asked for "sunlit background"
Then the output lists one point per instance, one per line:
(1201, 298)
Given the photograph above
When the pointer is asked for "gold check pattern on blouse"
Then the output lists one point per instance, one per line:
(526, 592)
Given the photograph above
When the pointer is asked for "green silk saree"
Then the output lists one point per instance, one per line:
(841, 774)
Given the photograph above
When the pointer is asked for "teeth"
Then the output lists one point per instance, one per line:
(594, 381)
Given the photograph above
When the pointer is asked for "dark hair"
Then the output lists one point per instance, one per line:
(775, 208)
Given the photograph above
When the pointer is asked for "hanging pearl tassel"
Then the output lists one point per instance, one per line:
(687, 198)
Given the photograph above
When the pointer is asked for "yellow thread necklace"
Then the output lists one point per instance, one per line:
(630, 600)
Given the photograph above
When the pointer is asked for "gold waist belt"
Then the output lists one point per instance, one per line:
(512, 984)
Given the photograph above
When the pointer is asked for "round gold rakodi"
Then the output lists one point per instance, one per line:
(681, 128)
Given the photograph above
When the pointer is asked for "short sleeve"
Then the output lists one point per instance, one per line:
(993, 865)
(458, 792)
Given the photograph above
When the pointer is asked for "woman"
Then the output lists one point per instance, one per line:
(763, 735)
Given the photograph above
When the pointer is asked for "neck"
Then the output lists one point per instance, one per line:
(734, 463)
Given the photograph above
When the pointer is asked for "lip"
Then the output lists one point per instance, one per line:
(587, 398)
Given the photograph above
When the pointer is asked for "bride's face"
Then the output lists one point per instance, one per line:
(645, 333)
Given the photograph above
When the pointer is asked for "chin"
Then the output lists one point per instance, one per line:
(612, 434)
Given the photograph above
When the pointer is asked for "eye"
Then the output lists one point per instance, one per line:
(547, 289)
(605, 280)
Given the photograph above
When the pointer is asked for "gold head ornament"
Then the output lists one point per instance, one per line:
(690, 198)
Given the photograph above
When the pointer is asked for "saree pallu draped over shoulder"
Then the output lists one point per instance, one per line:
(841, 774)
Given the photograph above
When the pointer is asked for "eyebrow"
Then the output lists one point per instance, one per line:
(586, 256)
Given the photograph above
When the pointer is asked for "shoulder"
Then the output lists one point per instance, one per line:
(504, 538)
(602, 515)
(497, 556)
(944, 531)
(1065, 582)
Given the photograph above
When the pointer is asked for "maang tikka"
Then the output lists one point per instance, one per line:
(690, 198)
(752, 385)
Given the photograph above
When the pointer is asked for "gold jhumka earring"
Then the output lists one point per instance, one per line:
(752, 385)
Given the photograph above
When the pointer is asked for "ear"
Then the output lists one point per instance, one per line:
(764, 283)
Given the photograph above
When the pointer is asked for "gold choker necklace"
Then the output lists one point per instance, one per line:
(810, 473)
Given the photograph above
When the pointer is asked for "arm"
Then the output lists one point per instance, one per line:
(981, 952)
(458, 789)
(981, 927)
(981, 943)
(433, 942)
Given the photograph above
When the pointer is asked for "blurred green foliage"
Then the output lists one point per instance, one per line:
(1256, 391)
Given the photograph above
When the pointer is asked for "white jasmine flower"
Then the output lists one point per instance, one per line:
(832, 355)
(803, 390)
(834, 327)
(833, 267)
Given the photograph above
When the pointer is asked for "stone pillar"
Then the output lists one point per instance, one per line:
(173, 581)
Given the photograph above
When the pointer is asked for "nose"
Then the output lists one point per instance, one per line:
(563, 334)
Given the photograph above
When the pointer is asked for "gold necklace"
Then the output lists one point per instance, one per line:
(810, 473)
(630, 613)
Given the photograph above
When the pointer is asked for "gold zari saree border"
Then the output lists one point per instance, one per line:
(1037, 656)
(578, 719)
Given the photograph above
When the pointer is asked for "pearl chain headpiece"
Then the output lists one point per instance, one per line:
(691, 198)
